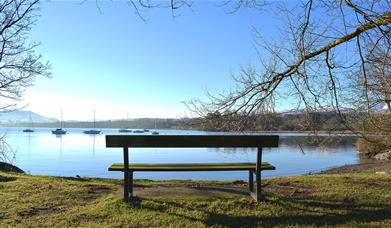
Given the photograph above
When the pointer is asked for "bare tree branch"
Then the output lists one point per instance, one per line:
(19, 65)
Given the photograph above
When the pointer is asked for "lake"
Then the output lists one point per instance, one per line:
(75, 153)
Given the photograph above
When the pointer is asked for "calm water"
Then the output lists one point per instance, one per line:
(78, 154)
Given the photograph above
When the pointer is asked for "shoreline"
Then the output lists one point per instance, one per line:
(371, 166)
(367, 167)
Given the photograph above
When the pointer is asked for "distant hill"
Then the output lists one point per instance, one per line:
(20, 116)
(378, 108)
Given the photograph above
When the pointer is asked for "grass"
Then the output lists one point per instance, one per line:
(315, 200)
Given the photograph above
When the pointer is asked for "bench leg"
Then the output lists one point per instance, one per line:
(258, 196)
(250, 181)
(126, 175)
(258, 190)
(131, 184)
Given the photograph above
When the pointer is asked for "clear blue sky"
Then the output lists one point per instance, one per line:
(115, 63)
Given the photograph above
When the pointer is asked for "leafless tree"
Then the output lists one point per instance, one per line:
(19, 65)
(142, 8)
(332, 56)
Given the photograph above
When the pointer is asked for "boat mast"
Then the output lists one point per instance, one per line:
(61, 120)
(31, 122)
(127, 120)
(94, 119)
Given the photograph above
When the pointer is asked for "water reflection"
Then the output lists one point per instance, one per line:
(304, 144)
(319, 141)
(59, 137)
(29, 144)
(93, 144)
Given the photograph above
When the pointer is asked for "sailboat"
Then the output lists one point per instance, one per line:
(155, 132)
(138, 131)
(31, 123)
(125, 130)
(93, 131)
(60, 131)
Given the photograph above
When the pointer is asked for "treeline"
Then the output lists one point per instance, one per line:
(320, 121)
(214, 122)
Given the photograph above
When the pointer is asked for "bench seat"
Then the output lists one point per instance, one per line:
(191, 166)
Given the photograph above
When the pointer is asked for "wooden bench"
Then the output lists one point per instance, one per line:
(192, 141)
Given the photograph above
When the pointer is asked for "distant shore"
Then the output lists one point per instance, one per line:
(180, 129)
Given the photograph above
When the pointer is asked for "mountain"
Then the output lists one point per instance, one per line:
(20, 116)
(377, 108)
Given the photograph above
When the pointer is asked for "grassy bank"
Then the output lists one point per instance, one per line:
(315, 200)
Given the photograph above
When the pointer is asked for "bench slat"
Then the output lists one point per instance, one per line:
(191, 166)
(190, 141)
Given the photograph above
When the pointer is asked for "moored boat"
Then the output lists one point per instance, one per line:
(138, 131)
(28, 130)
(92, 131)
(125, 130)
(60, 131)
(31, 123)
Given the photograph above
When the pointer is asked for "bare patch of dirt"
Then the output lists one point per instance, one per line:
(39, 211)
(194, 190)
(286, 188)
(372, 167)
(94, 191)
(98, 189)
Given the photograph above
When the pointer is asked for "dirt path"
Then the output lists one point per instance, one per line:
(372, 167)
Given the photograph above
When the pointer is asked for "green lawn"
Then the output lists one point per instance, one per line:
(315, 200)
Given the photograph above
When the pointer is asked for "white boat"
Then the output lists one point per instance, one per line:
(138, 131)
(28, 130)
(60, 131)
(125, 130)
(31, 123)
(155, 132)
(92, 131)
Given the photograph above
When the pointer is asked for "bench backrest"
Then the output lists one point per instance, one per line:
(192, 141)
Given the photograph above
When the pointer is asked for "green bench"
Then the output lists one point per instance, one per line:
(191, 141)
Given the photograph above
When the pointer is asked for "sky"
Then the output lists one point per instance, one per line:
(109, 60)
